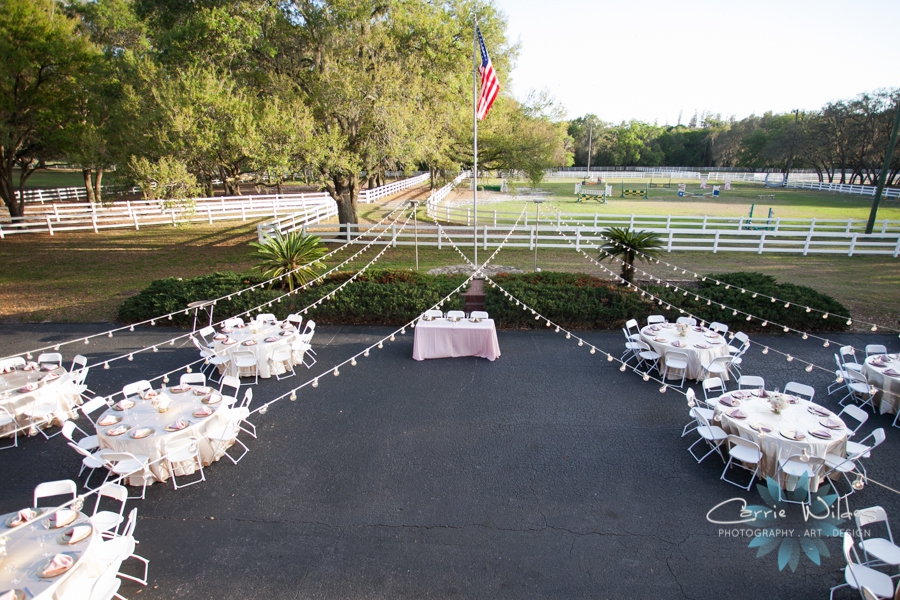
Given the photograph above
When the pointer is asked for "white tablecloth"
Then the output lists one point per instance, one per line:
(888, 400)
(18, 402)
(262, 349)
(661, 341)
(775, 447)
(445, 339)
(24, 551)
(144, 414)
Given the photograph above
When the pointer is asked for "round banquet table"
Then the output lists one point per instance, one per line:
(19, 390)
(701, 345)
(25, 556)
(145, 415)
(879, 371)
(261, 341)
(775, 446)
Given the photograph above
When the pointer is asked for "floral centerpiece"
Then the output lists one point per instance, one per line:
(777, 402)
(682, 328)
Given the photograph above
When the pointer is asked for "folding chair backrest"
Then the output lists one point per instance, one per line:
(230, 381)
(806, 392)
(686, 320)
(856, 413)
(10, 363)
(719, 327)
(63, 487)
(736, 440)
(131, 523)
(435, 313)
(78, 363)
(192, 379)
(310, 327)
(631, 323)
(479, 314)
(133, 389)
(456, 314)
(93, 404)
(50, 358)
(248, 397)
(751, 381)
(295, 319)
(653, 319)
(867, 516)
(117, 492)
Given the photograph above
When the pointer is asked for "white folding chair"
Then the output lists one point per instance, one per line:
(246, 365)
(105, 587)
(181, 450)
(107, 522)
(136, 388)
(687, 321)
(232, 322)
(229, 382)
(266, 318)
(854, 412)
(79, 365)
(655, 319)
(675, 361)
(646, 355)
(744, 340)
(225, 436)
(693, 424)
(243, 410)
(751, 381)
(304, 344)
(48, 489)
(796, 467)
(91, 461)
(50, 358)
(714, 386)
(713, 435)
(858, 390)
(192, 379)
(859, 576)
(8, 419)
(878, 551)
(127, 465)
(207, 334)
(16, 362)
(42, 414)
(875, 350)
(863, 448)
(478, 314)
(632, 330)
(433, 314)
(87, 441)
(113, 552)
(92, 406)
(720, 328)
(801, 390)
(741, 453)
(282, 361)
(632, 348)
(295, 320)
(848, 359)
(456, 314)
(717, 367)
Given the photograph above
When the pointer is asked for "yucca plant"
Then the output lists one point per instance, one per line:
(629, 246)
(294, 253)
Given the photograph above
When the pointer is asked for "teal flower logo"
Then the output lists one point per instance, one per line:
(821, 516)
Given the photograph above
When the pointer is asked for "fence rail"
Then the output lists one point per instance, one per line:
(42, 195)
(367, 196)
(676, 240)
(84, 216)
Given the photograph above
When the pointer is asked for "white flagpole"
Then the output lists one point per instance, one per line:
(475, 129)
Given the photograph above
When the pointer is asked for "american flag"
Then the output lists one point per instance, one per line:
(490, 87)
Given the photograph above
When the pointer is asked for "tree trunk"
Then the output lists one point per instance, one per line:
(86, 173)
(98, 177)
(345, 191)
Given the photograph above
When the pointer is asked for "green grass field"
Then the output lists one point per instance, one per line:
(52, 179)
(788, 203)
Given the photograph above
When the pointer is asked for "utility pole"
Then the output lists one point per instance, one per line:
(787, 171)
(882, 177)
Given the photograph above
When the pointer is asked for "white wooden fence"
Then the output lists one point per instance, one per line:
(844, 188)
(42, 195)
(367, 196)
(84, 216)
(548, 235)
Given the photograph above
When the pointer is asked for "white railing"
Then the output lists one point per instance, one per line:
(437, 196)
(844, 188)
(624, 174)
(42, 195)
(84, 216)
(367, 196)
(664, 223)
(548, 235)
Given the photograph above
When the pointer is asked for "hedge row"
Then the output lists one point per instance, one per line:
(578, 301)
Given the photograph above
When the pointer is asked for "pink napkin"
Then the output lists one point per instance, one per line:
(739, 394)
(77, 533)
(142, 432)
(832, 423)
(819, 411)
(821, 433)
(240, 325)
(654, 328)
(59, 564)
(32, 366)
(250, 343)
(148, 394)
(226, 330)
(108, 420)
(125, 404)
(220, 336)
(677, 344)
(29, 388)
(23, 516)
(702, 346)
(271, 339)
(48, 366)
(891, 373)
(762, 393)
(179, 424)
(284, 333)
(64, 517)
(117, 430)
(737, 414)
(229, 342)
(203, 411)
(727, 401)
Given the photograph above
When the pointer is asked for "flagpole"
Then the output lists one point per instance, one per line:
(475, 129)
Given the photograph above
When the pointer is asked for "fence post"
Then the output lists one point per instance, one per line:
(174, 223)
(393, 235)
(777, 223)
(631, 224)
(94, 221)
(812, 225)
(716, 242)
(705, 217)
(884, 226)
(741, 224)
(440, 236)
(56, 213)
(808, 240)
(134, 216)
(852, 244)
(595, 220)
(578, 238)
(558, 218)
(668, 221)
(49, 226)
(209, 213)
(849, 223)
(533, 240)
(896, 248)
(669, 244)
(2, 236)
(243, 214)
(468, 217)
(495, 217)
(484, 237)
(762, 240)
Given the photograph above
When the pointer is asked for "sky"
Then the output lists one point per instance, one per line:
(650, 60)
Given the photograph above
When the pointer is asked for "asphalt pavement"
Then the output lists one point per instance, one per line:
(545, 474)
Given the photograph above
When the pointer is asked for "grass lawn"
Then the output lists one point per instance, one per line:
(47, 178)
(788, 203)
(84, 276)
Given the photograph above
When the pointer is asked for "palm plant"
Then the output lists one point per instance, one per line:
(628, 245)
(294, 254)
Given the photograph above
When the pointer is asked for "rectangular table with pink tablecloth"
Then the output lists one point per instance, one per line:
(442, 338)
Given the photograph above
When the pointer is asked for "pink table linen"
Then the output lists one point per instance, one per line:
(445, 339)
